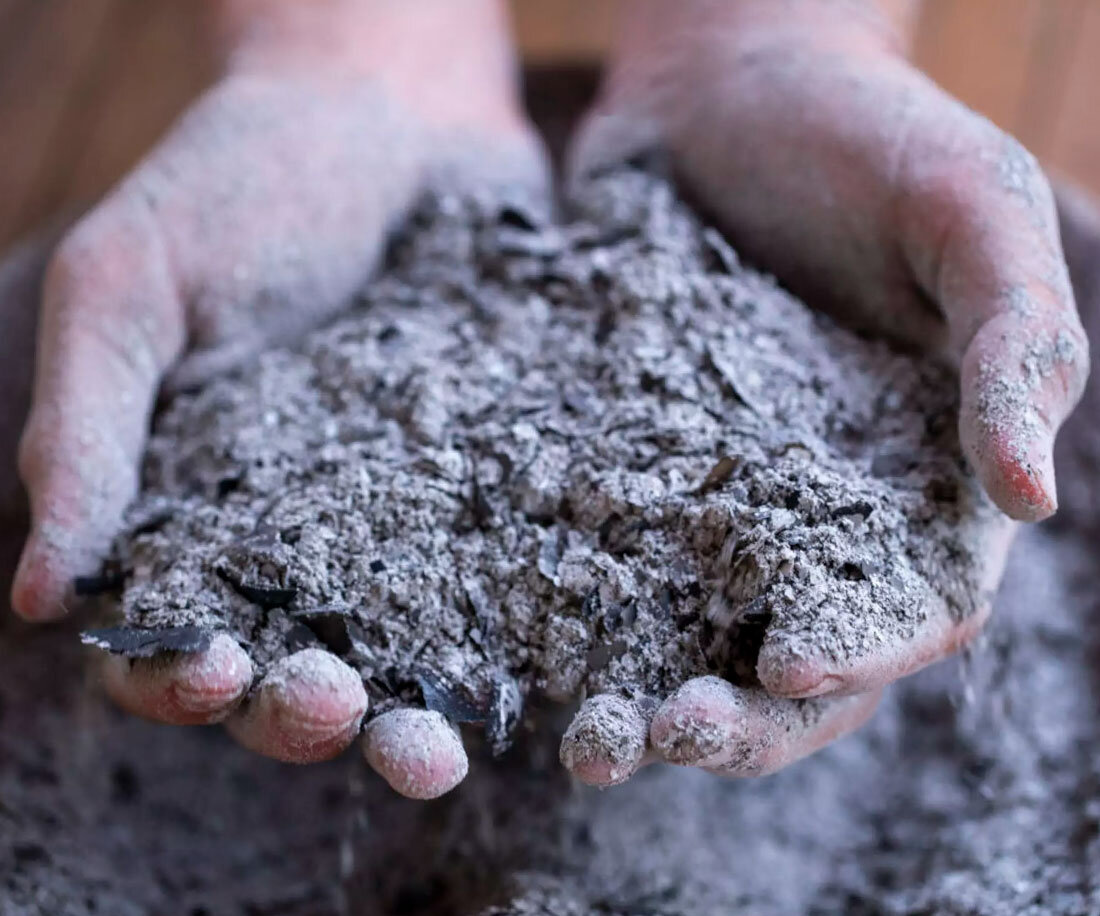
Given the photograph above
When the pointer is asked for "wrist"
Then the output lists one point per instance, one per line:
(851, 26)
(452, 62)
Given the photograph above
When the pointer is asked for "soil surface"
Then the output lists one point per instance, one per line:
(975, 789)
(600, 454)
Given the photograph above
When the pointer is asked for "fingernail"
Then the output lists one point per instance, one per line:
(1019, 478)
(37, 594)
(214, 680)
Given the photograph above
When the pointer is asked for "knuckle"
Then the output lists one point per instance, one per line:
(1017, 170)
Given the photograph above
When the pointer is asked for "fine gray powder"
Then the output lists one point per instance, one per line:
(599, 454)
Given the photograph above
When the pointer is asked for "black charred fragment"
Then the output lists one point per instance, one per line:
(718, 474)
(133, 642)
(153, 522)
(329, 624)
(854, 572)
(228, 485)
(454, 702)
(861, 508)
(620, 536)
(300, 637)
(598, 658)
(736, 648)
(518, 217)
(499, 711)
(265, 596)
(605, 326)
(111, 579)
(478, 508)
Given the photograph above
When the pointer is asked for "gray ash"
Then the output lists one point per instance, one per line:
(600, 454)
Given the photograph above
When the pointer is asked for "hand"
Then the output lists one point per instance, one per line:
(834, 164)
(258, 216)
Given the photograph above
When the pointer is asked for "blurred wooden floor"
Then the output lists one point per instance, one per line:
(87, 85)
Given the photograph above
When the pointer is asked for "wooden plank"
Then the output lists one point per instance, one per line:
(1074, 147)
(157, 62)
(42, 71)
(1057, 41)
(906, 16)
(980, 50)
(561, 31)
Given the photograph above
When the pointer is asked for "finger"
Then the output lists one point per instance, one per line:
(710, 723)
(606, 741)
(786, 731)
(308, 707)
(193, 689)
(788, 668)
(982, 238)
(111, 322)
(840, 651)
(417, 751)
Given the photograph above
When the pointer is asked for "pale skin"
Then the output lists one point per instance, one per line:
(827, 158)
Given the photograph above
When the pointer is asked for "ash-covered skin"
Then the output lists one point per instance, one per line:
(599, 455)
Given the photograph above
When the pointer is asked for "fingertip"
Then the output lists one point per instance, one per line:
(1018, 476)
(785, 731)
(308, 708)
(417, 752)
(606, 741)
(698, 723)
(210, 683)
(192, 689)
(40, 588)
(1018, 384)
(786, 672)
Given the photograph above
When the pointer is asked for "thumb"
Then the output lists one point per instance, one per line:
(111, 322)
(610, 133)
(981, 235)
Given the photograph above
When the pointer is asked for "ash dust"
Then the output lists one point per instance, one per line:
(598, 455)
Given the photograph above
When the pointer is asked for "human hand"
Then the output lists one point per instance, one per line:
(834, 164)
(258, 216)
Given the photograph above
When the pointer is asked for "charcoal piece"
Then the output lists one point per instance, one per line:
(135, 643)
(454, 702)
(111, 579)
(329, 625)
(267, 597)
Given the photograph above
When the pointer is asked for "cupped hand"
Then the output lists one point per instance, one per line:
(258, 216)
(834, 164)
